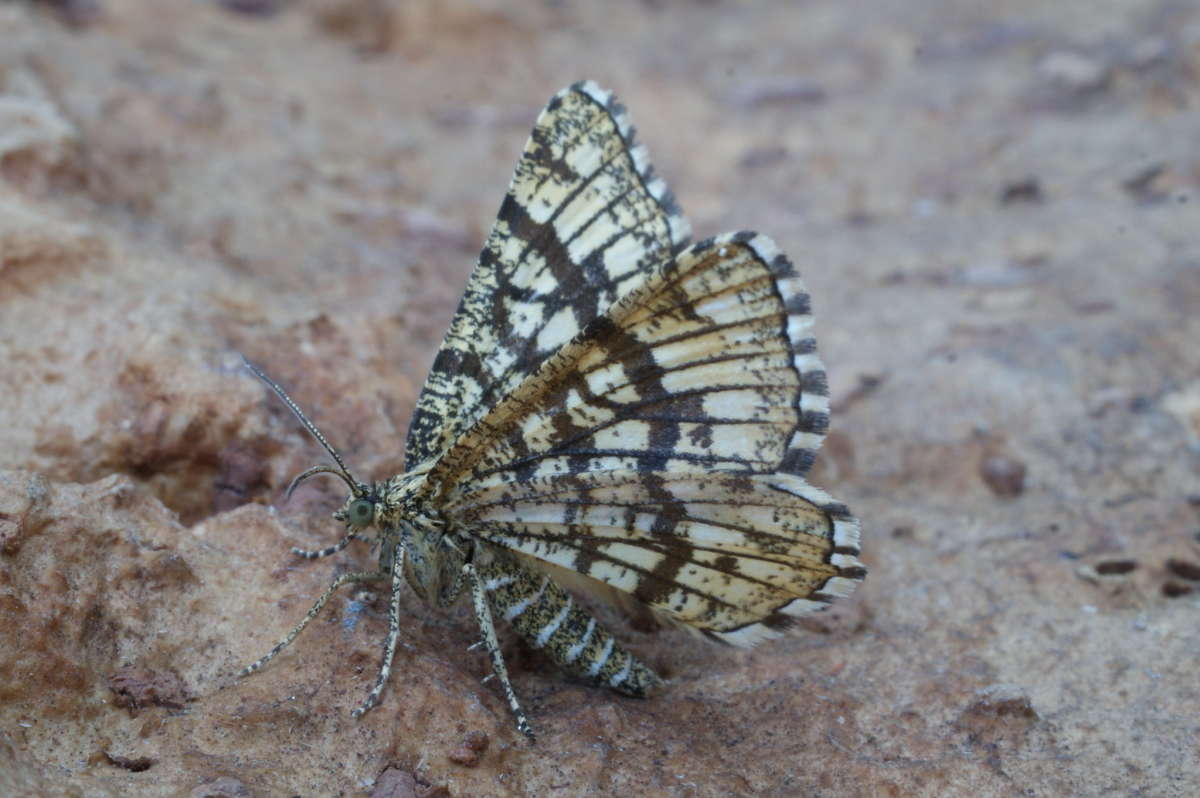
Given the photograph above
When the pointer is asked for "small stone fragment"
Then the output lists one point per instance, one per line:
(135, 687)
(1173, 589)
(133, 765)
(1004, 700)
(470, 750)
(1005, 475)
(1019, 191)
(1184, 569)
(395, 783)
(1115, 567)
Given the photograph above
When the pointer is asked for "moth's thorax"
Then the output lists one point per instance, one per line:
(433, 559)
(401, 497)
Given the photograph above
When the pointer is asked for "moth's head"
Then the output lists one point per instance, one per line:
(359, 511)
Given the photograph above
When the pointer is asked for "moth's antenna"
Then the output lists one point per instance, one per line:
(355, 486)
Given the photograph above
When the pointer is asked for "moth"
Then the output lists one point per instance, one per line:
(613, 412)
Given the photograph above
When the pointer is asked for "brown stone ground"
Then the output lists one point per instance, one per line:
(994, 205)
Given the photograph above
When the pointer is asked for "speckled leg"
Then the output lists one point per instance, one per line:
(312, 554)
(393, 635)
(483, 614)
(344, 579)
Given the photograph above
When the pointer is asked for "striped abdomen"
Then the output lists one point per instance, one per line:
(548, 618)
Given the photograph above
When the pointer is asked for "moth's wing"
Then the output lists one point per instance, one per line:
(734, 556)
(661, 452)
(584, 222)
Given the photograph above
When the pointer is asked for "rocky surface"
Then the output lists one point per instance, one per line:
(995, 210)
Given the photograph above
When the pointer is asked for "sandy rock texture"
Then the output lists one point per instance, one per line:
(995, 207)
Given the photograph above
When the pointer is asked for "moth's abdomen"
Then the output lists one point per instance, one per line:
(550, 619)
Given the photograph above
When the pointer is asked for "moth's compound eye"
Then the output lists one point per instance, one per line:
(361, 513)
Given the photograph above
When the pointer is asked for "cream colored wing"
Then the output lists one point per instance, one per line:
(584, 223)
(661, 451)
(734, 556)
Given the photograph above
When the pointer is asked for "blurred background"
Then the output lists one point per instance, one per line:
(994, 206)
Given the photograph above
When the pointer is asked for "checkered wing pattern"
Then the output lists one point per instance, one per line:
(584, 223)
(660, 449)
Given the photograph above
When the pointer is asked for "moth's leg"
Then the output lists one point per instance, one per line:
(312, 554)
(393, 635)
(483, 614)
(548, 618)
(344, 579)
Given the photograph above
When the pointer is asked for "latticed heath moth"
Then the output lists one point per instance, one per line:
(614, 409)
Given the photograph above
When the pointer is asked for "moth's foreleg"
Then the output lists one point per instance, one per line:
(483, 614)
(312, 554)
(344, 579)
(393, 635)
